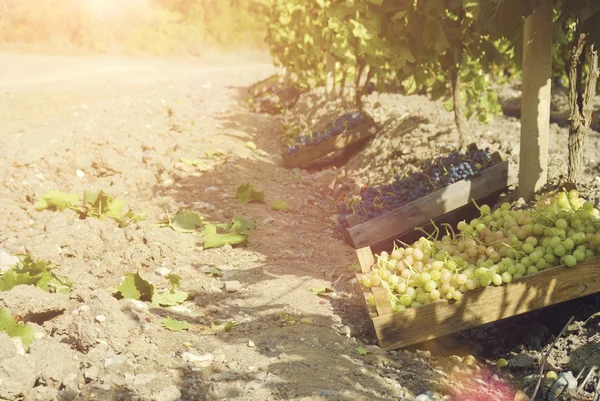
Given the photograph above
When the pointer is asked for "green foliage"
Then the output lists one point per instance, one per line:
(184, 222)
(279, 204)
(247, 194)
(415, 45)
(16, 329)
(37, 273)
(134, 286)
(94, 204)
(213, 239)
(175, 325)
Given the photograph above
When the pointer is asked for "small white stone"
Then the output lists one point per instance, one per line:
(232, 286)
(268, 220)
(162, 271)
(80, 173)
(251, 344)
(100, 318)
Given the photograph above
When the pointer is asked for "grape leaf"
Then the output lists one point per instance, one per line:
(214, 240)
(38, 273)
(214, 272)
(175, 325)
(247, 194)
(175, 280)
(321, 290)
(279, 204)
(222, 327)
(361, 350)
(169, 297)
(134, 286)
(190, 162)
(241, 224)
(56, 199)
(184, 222)
(16, 329)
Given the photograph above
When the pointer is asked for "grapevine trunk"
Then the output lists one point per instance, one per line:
(459, 117)
(580, 101)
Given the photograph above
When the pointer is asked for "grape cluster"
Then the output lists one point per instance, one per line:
(435, 174)
(498, 247)
(334, 128)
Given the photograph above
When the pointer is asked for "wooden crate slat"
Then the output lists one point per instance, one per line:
(392, 224)
(486, 305)
(312, 152)
(365, 259)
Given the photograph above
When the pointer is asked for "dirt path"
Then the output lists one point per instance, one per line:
(124, 124)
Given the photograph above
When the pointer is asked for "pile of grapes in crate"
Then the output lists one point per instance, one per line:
(334, 128)
(498, 247)
(435, 174)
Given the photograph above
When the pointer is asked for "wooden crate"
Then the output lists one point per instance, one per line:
(266, 85)
(277, 102)
(483, 305)
(404, 219)
(310, 153)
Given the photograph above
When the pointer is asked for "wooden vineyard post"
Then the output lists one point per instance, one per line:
(535, 99)
(330, 77)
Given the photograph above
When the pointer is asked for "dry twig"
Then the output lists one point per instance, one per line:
(545, 358)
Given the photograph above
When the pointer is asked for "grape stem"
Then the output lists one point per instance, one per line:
(545, 358)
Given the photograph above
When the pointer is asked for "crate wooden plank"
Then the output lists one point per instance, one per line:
(485, 305)
(403, 219)
(310, 153)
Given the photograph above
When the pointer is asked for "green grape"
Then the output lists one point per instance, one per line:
(526, 261)
(560, 250)
(507, 277)
(485, 281)
(527, 248)
(470, 284)
(430, 286)
(538, 229)
(406, 300)
(367, 282)
(423, 298)
(579, 255)
(570, 260)
(497, 279)
(415, 304)
(424, 277)
(589, 253)
(532, 270)
(461, 279)
(434, 295)
(531, 240)
(541, 264)
(393, 280)
(561, 224)
(554, 242)
(569, 244)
